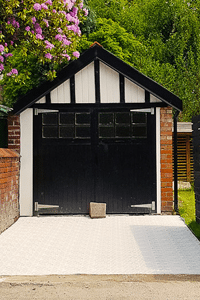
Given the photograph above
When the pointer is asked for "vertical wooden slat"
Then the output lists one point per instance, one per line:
(147, 97)
(72, 89)
(185, 158)
(97, 80)
(122, 89)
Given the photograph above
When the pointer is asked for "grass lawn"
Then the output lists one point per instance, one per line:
(186, 199)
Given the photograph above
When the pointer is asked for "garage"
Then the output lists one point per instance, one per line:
(96, 134)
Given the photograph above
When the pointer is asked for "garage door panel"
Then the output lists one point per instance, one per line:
(124, 178)
(102, 158)
(69, 179)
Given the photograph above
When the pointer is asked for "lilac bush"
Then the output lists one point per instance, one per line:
(48, 29)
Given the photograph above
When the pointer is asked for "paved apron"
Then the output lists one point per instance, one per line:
(118, 244)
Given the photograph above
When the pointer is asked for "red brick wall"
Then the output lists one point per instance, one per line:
(166, 123)
(14, 133)
(9, 188)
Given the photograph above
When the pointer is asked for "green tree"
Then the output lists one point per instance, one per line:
(168, 30)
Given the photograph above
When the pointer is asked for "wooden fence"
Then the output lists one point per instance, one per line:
(185, 152)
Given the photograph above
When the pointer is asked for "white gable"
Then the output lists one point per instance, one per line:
(133, 93)
(42, 100)
(61, 94)
(154, 99)
(85, 85)
(109, 85)
(109, 88)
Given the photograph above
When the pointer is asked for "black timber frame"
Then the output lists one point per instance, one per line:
(96, 53)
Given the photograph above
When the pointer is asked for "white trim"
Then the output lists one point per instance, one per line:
(26, 166)
(158, 177)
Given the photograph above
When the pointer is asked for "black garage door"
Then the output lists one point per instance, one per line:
(94, 156)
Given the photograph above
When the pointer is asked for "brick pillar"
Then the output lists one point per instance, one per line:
(9, 188)
(166, 123)
(14, 133)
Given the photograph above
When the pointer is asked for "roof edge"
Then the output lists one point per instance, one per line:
(96, 51)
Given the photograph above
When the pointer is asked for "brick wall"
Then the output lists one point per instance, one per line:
(14, 133)
(9, 188)
(166, 123)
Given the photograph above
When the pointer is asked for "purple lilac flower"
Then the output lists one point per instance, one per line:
(1, 67)
(15, 23)
(44, 6)
(8, 22)
(9, 74)
(75, 10)
(66, 42)
(68, 17)
(76, 54)
(49, 2)
(85, 11)
(37, 25)
(1, 48)
(39, 36)
(38, 30)
(74, 28)
(37, 6)
(59, 30)
(8, 54)
(46, 22)
(6, 44)
(1, 58)
(63, 12)
(67, 56)
(33, 20)
(32, 31)
(48, 55)
(58, 37)
(72, 14)
(81, 5)
(70, 5)
(49, 45)
(14, 71)
(27, 28)
(11, 42)
(76, 21)
(54, 11)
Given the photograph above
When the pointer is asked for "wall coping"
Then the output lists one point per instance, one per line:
(8, 153)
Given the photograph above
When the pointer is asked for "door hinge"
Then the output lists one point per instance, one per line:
(152, 110)
(44, 110)
(36, 206)
(144, 110)
(151, 206)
